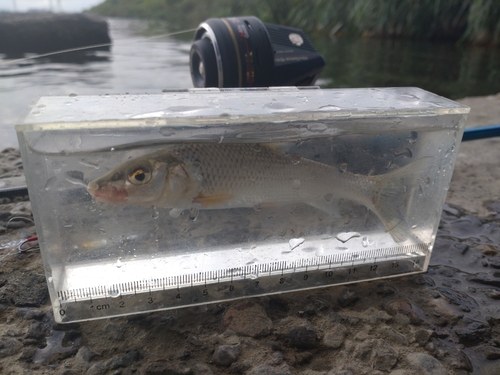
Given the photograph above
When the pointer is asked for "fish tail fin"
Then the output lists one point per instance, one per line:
(388, 203)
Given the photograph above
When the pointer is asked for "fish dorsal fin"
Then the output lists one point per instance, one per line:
(212, 200)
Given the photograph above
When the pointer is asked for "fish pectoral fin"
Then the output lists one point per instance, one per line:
(212, 200)
(178, 171)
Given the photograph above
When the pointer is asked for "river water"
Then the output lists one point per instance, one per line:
(135, 65)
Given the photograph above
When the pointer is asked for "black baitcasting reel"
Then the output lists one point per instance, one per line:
(244, 52)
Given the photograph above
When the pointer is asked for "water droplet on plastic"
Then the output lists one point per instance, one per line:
(75, 178)
(257, 207)
(193, 214)
(296, 184)
(366, 241)
(320, 251)
(410, 98)
(67, 224)
(343, 168)
(328, 197)
(296, 158)
(406, 152)
(112, 149)
(51, 182)
(278, 107)
(118, 263)
(346, 236)
(155, 214)
(317, 127)
(413, 137)
(295, 242)
(114, 293)
(414, 226)
(89, 164)
(166, 131)
(253, 261)
(329, 107)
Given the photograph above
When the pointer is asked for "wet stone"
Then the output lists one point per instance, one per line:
(390, 334)
(376, 316)
(30, 313)
(384, 357)
(249, 319)
(425, 364)
(37, 331)
(378, 353)
(9, 346)
(302, 337)
(494, 263)
(459, 360)
(164, 368)
(26, 289)
(120, 361)
(202, 369)
(193, 340)
(474, 333)
(362, 336)
(114, 331)
(491, 352)
(335, 336)
(28, 353)
(224, 355)
(404, 308)
(84, 356)
(422, 336)
(485, 279)
(277, 358)
(269, 370)
(458, 298)
(348, 299)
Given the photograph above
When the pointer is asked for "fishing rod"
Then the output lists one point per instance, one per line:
(93, 46)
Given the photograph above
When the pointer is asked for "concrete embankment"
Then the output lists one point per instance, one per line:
(49, 32)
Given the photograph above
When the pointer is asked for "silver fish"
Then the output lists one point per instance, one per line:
(216, 176)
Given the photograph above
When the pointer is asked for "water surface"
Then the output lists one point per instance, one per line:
(141, 66)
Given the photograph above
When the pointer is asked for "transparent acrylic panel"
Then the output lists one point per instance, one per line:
(223, 194)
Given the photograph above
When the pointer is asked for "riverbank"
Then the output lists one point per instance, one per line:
(49, 32)
(468, 21)
(446, 321)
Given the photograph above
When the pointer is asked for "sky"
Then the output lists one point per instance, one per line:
(54, 5)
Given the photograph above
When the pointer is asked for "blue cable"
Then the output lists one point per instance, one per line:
(481, 132)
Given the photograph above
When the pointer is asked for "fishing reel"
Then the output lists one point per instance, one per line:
(245, 52)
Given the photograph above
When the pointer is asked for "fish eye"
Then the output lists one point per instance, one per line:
(140, 176)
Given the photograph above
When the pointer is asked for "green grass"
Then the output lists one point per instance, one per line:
(474, 21)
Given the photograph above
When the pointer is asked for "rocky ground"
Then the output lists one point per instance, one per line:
(446, 321)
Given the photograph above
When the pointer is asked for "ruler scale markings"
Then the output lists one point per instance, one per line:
(386, 262)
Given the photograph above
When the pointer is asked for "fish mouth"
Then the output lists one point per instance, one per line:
(108, 193)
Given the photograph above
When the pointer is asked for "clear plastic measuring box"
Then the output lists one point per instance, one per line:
(147, 202)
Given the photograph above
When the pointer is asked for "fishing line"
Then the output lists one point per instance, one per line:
(91, 47)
